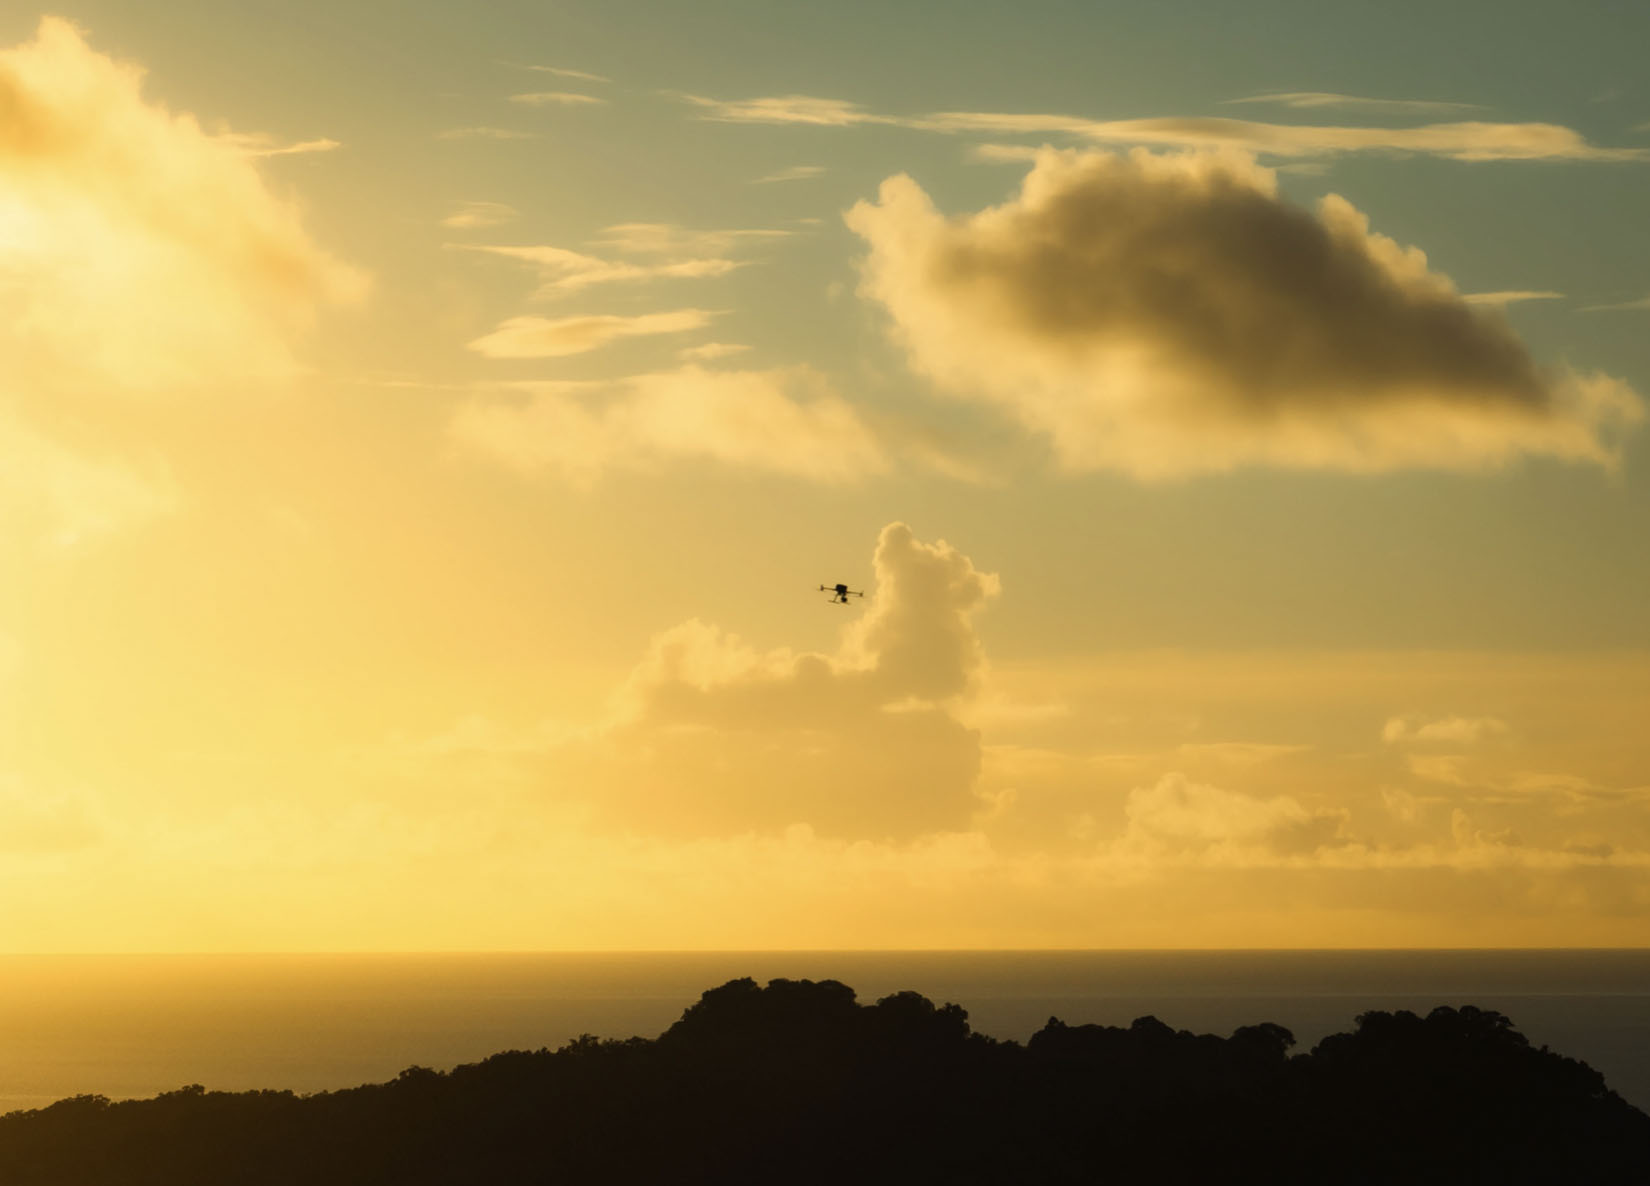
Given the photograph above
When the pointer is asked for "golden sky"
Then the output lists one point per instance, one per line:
(423, 432)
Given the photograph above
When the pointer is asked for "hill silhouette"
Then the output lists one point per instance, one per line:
(797, 1082)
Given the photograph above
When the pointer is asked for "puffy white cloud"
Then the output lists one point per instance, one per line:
(785, 421)
(545, 337)
(1166, 315)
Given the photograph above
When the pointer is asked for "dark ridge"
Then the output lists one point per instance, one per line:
(797, 1082)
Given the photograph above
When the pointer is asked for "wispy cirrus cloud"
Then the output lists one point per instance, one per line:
(789, 109)
(1171, 314)
(564, 72)
(484, 133)
(565, 271)
(476, 215)
(1474, 140)
(545, 337)
(1318, 99)
(794, 173)
(1462, 141)
(556, 99)
(657, 251)
(257, 144)
(1510, 297)
(711, 351)
(668, 239)
(1640, 303)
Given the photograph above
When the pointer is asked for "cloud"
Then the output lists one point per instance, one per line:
(711, 351)
(555, 99)
(1509, 298)
(794, 173)
(1641, 303)
(786, 422)
(484, 133)
(141, 258)
(1456, 730)
(474, 215)
(1466, 141)
(788, 109)
(136, 250)
(260, 145)
(569, 271)
(1470, 140)
(1177, 814)
(1316, 99)
(715, 738)
(668, 239)
(563, 72)
(1170, 314)
(544, 337)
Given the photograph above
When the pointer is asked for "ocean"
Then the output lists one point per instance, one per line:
(132, 1026)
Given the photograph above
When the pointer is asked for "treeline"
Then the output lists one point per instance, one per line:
(797, 1082)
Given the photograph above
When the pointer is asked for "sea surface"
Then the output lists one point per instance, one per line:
(132, 1026)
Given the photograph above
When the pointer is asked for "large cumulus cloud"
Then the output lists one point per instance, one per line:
(1167, 314)
(140, 258)
(717, 739)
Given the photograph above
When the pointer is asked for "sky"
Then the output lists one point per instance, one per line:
(424, 430)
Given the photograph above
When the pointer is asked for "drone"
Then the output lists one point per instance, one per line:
(840, 593)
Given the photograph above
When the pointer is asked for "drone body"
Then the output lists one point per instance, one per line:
(840, 593)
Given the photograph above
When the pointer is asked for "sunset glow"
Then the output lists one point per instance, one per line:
(424, 431)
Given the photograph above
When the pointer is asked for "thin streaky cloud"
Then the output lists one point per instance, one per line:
(568, 271)
(663, 238)
(711, 350)
(564, 72)
(789, 109)
(555, 99)
(544, 337)
(1316, 99)
(1470, 140)
(1509, 298)
(256, 145)
(472, 215)
(794, 173)
(1466, 141)
(1641, 303)
(485, 133)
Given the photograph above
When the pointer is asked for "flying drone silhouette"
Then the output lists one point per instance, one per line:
(840, 593)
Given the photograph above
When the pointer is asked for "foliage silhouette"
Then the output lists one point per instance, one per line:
(796, 1082)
